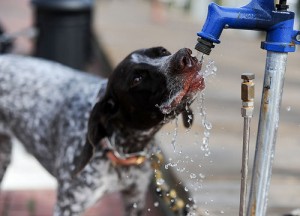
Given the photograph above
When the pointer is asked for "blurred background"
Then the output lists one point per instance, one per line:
(210, 173)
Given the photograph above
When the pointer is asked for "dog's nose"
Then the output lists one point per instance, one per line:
(185, 59)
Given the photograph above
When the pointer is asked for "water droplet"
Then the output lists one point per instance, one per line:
(206, 212)
(156, 204)
(288, 108)
(207, 154)
(180, 169)
(193, 175)
(201, 175)
(222, 212)
(171, 165)
(207, 125)
(205, 141)
(149, 209)
(160, 181)
(186, 189)
(134, 205)
(214, 68)
(206, 133)
(173, 142)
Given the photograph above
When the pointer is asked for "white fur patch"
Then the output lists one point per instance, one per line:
(160, 61)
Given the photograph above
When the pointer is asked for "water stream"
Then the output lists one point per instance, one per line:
(201, 141)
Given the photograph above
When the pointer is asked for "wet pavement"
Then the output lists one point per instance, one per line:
(213, 175)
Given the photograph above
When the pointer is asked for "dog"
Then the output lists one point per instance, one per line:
(95, 136)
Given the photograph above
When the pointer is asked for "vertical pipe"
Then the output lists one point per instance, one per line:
(267, 130)
(247, 96)
(244, 177)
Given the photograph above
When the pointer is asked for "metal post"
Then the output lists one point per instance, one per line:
(247, 96)
(267, 130)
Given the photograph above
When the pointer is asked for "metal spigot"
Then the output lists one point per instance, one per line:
(247, 96)
(258, 15)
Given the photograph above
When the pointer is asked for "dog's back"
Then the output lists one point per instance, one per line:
(41, 101)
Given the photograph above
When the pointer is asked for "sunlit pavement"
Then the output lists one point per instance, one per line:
(125, 26)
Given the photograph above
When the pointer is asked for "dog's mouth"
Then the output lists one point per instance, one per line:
(186, 81)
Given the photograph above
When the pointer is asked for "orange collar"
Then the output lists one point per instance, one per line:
(126, 160)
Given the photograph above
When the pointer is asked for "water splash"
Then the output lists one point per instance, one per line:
(200, 57)
(207, 125)
(202, 139)
(210, 68)
(190, 117)
(173, 142)
(171, 165)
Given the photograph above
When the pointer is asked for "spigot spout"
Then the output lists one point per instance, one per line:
(260, 15)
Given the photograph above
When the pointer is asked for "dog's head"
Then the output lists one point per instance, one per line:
(146, 88)
(150, 85)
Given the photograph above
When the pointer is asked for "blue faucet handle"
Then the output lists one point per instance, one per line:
(259, 15)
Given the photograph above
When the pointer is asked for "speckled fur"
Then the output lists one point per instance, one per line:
(41, 107)
(53, 110)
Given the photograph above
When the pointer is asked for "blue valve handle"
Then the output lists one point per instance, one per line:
(260, 15)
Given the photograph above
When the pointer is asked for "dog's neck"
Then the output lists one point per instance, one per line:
(126, 140)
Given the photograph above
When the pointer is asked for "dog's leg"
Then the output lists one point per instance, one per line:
(5, 153)
(77, 193)
(72, 197)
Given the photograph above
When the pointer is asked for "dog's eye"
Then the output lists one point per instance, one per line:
(136, 80)
(164, 52)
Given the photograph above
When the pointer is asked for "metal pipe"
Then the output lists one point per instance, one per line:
(245, 167)
(267, 131)
(247, 96)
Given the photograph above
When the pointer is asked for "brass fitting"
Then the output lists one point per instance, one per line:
(247, 94)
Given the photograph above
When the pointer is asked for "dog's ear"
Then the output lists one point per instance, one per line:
(187, 117)
(100, 115)
(83, 158)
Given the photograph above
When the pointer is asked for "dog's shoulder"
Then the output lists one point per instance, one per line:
(43, 83)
